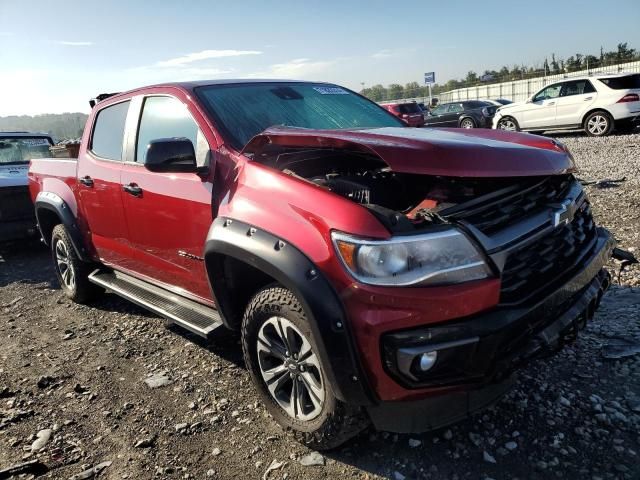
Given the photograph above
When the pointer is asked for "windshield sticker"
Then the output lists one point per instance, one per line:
(331, 91)
(34, 142)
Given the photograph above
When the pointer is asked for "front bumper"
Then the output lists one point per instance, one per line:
(477, 354)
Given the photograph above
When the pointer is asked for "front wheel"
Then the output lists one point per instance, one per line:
(282, 357)
(598, 124)
(72, 273)
(467, 123)
(508, 123)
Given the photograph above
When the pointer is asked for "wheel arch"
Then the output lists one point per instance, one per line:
(232, 244)
(593, 110)
(52, 210)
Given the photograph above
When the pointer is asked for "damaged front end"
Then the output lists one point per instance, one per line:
(513, 211)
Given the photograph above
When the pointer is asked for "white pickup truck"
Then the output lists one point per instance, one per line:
(17, 218)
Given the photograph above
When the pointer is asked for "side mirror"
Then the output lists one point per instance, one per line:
(171, 155)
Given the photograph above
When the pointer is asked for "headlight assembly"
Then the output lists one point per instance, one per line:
(436, 258)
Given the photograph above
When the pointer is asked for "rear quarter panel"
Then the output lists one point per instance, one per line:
(54, 175)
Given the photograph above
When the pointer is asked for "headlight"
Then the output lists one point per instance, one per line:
(436, 258)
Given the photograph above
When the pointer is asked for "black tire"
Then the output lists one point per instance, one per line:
(467, 123)
(74, 279)
(598, 124)
(337, 422)
(504, 121)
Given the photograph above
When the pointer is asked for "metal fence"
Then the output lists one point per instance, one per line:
(520, 90)
(517, 90)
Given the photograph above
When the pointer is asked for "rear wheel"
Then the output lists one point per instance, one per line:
(282, 358)
(72, 273)
(598, 124)
(508, 123)
(467, 123)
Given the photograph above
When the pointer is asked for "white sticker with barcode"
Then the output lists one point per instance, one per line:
(331, 90)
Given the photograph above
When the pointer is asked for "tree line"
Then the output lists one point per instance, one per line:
(61, 126)
(551, 66)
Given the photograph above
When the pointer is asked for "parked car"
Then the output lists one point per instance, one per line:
(467, 114)
(596, 104)
(410, 113)
(376, 273)
(498, 101)
(17, 219)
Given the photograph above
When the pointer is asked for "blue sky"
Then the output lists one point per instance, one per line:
(54, 56)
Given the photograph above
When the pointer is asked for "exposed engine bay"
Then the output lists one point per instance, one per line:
(402, 201)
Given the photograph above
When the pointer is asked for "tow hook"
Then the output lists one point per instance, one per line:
(625, 257)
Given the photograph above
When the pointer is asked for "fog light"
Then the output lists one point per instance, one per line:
(427, 360)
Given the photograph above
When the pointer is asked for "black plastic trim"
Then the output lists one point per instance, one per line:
(292, 269)
(52, 202)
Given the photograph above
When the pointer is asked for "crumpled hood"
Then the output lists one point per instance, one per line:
(433, 151)
(14, 175)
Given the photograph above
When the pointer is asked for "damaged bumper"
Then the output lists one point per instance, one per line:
(476, 356)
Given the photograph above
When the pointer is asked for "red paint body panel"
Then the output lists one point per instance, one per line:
(437, 151)
(143, 234)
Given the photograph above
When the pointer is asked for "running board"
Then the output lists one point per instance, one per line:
(196, 318)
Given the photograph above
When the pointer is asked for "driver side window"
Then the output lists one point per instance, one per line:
(167, 117)
(552, 91)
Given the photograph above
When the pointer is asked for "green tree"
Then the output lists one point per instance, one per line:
(395, 91)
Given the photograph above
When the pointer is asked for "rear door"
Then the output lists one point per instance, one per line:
(454, 110)
(169, 216)
(99, 187)
(576, 97)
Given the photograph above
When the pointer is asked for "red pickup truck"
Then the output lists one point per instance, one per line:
(377, 273)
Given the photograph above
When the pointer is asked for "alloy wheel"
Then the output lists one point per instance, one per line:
(291, 369)
(598, 124)
(507, 124)
(63, 263)
(467, 123)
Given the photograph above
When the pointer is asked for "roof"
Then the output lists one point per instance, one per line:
(203, 83)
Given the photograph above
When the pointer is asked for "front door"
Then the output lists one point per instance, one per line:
(541, 110)
(168, 214)
(99, 187)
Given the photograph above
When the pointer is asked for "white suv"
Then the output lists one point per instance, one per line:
(595, 104)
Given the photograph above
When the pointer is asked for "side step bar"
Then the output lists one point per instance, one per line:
(196, 318)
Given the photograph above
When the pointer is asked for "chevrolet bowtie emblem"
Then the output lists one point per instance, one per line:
(564, 214)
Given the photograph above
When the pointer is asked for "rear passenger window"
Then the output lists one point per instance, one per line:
(167, 117)
(108, 132)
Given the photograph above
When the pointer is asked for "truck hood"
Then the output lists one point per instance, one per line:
(431, 151)
(14, 175)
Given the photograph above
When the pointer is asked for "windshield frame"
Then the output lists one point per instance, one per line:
(9, 136)
(229, 139)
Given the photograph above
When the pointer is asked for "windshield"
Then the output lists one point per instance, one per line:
(244, 110)
(16, 150)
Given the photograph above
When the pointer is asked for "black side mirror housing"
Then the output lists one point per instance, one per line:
(171, 155)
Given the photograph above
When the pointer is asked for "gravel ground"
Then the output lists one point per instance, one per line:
(73, 395)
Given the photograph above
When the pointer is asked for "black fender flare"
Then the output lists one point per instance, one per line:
(292, 269)
(54, 203)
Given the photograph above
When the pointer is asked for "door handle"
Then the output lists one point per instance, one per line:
(132, 189)
(551, 103)
(588, 98)
(87, 181)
